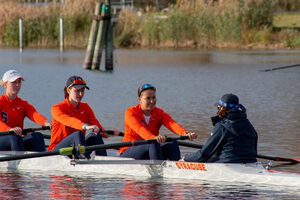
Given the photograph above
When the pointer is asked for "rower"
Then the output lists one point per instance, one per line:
(143, 121)
(233, 139)
(72, 119)
(13, 112)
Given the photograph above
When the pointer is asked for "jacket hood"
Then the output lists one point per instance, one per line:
(237, 123)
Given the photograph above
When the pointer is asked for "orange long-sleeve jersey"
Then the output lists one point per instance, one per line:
(67, 119)
(136, 128)
(13, 113)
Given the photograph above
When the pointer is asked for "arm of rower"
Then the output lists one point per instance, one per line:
(210, 147)
(172, 125)
(59, 115)
(92, 120)
(34, 116)
(4, 127)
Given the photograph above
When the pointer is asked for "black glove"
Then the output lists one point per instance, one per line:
(215, 119)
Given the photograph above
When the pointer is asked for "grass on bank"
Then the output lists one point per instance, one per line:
(287, 20)
(239, 24)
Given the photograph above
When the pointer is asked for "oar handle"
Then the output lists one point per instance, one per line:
(167, 139)
(111, 132)
(25, 131)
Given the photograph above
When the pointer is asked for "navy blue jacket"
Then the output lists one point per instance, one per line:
(233, 140)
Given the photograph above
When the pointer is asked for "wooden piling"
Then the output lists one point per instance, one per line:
(21, 34)
(92, 38)
(100, 39)
(104, 37)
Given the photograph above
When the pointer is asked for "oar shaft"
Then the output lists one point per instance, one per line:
(82, 149)
(294, 160)
(188, 144)
(110, 132)
(25, 131)
(128, 144)
(199, 146)
(31, 155)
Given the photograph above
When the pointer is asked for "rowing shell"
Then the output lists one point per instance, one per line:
(253, 173)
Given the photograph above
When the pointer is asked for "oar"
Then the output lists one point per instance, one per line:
(82, 149)
(25, 131)
(110, 132)
(284, 67)
(199, 146)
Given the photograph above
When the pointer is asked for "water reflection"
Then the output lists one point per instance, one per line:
(63, 187)
(11, 186)
(28, 185)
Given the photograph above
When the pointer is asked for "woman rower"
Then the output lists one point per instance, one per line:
(72, 119)
(143, 121)
(13, 112)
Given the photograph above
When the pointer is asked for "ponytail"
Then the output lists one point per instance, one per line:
(66, 92)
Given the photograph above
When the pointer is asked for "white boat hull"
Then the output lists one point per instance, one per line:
(253, 173)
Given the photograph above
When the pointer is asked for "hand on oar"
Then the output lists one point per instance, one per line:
(48, 124)
(199, 146)
(191, 135)
(24, 131)
(93, 128)
(17, 130)
(160, 139)
(82, 149)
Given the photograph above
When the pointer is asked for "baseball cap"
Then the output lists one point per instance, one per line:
(11, 76)
(77, 82)
(230, 101)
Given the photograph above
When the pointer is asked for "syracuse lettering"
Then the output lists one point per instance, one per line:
(191, 166)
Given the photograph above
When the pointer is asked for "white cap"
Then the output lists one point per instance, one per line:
(11, 76)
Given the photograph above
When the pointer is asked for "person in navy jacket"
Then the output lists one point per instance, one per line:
(233, 139)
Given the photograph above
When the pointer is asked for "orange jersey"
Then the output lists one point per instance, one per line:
(136, 128)
(13, 113)
(67, 119)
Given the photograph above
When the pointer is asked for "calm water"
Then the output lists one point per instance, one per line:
(188, 84)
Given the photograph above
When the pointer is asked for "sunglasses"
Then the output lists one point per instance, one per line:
(77, 82)
(146, 87)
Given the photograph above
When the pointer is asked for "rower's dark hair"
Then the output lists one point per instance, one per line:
(66, 92)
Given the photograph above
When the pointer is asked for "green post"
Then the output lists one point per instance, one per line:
(92, 38)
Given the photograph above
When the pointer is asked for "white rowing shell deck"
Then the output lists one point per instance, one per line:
(253, 173)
